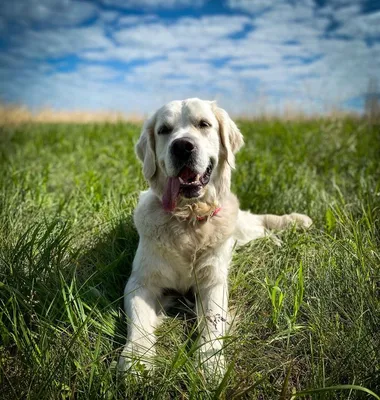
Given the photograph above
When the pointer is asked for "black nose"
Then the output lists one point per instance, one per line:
(183, 148)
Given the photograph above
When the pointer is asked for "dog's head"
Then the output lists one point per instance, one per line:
(187, 149)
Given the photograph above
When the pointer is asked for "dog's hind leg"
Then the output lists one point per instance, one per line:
(284, 221)
(250, 226)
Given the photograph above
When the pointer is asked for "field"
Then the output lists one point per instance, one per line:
(307, 312)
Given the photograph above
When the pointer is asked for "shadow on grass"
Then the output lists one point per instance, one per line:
(104, 270)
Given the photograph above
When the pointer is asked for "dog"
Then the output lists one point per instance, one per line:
(188, 222)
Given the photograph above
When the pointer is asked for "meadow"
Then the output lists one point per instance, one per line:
(307, 312)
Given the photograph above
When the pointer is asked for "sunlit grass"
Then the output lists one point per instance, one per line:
(307, 314)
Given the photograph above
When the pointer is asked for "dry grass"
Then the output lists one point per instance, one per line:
(13, 114)
(16, 114)
(293, 113)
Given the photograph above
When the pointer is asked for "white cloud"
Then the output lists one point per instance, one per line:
(187, 32)
(121, 53)
(342, 13)
(362, 26)
(137, 4)
(136, 19)
(108, 16)
(286, 52)
(59, 42)
(48, 12)
(97, 72)
(160, 73)
(202, 38)
(251, 6)
(73, 91)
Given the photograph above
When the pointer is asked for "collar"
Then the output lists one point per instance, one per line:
(215, 212)
(189, 213)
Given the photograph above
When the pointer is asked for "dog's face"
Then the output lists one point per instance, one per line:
(187, 148)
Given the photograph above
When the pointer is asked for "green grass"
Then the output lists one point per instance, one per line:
(307, 313)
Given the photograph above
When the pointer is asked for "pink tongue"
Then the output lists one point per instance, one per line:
(171, 193)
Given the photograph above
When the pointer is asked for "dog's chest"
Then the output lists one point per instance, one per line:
(192, 253)
(186, 238)
(191, 241)
(179, 250)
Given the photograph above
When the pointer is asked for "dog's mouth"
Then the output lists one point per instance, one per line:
(187, 183)
(188, 178)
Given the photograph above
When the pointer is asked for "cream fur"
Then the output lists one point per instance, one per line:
(176, 251)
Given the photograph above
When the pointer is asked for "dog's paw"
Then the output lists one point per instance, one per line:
(135, 363)
(213, 365)
(301, 220)
(124, 364)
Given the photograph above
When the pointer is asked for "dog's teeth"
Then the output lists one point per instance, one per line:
(181, 181)
(197, 177)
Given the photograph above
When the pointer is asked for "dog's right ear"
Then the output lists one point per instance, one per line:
(145, 148)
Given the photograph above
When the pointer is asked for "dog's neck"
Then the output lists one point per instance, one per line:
(199, 211)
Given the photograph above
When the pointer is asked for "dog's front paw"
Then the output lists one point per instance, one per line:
(213, 365)
(301, 220)
(136, 362)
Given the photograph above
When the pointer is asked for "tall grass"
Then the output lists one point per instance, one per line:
(307, 312)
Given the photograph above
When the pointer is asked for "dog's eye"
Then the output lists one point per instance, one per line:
(204, 124)
(164, 130)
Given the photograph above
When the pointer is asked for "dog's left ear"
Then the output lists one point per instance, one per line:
(145, 148)
(230, 136)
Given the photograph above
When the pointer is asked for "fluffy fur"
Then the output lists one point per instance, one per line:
(187, 247)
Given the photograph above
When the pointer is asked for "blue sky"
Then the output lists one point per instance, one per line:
(135, 55)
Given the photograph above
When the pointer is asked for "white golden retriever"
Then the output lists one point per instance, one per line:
(188, 222)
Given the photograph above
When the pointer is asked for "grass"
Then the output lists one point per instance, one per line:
(308, 312)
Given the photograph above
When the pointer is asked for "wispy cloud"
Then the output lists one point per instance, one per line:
(187, 33)
(59, 42)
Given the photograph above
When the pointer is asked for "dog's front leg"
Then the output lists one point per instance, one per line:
(140, 304)
(212, 306)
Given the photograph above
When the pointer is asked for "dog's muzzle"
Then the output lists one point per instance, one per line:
(188, 183)
(183, 151)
